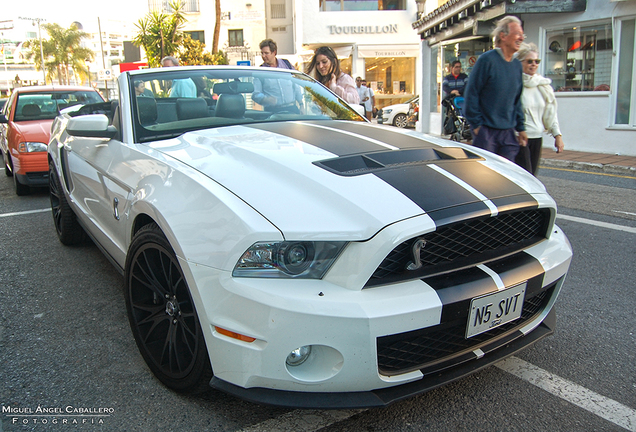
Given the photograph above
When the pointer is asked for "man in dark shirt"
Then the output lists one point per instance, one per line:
(493, 94)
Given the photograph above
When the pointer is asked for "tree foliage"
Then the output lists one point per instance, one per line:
(192, 52)
(160, 34)
(62, 52)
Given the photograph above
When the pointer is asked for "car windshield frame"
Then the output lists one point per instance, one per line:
(169, 102)
(47, 104)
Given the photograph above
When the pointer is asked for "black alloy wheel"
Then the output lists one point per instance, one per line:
(162, 315)
(67, 228)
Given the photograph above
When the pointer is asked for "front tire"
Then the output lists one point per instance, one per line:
(7, 168)
(400, 120)
(20, 188)
(162, 315)
(68, 229)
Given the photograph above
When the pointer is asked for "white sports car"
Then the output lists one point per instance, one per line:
(289, 252)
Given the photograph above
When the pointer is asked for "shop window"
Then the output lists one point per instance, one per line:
(235, 38)
(361, 5)
(626, 92)
(392, 79)
(580, 58)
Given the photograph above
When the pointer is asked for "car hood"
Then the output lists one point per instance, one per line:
(34, 130)
(403, 106)
(348, 180)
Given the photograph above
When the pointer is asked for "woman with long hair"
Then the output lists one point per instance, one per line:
(326, 69)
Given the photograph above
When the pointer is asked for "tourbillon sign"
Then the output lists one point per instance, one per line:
(390, 28)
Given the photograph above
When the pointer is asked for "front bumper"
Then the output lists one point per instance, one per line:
(31, 169)
(386, 396)
(346, 325)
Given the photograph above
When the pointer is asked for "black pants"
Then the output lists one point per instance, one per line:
(528, 157)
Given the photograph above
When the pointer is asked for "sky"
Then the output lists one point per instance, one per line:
(65, 12)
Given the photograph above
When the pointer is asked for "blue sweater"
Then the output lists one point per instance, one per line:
(493, 93)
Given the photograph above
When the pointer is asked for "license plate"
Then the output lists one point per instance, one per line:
(493, 310)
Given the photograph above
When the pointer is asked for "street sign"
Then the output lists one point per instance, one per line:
(104, 74)
(244, 63)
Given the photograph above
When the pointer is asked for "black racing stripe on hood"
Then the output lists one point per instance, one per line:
(329, 140)
(390, 136)
(487, 181)
(430, 190)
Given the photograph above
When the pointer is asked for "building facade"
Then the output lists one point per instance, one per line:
(586, 47)
(373, 39)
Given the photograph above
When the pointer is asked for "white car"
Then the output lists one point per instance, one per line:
(398, 114)
(295, 254)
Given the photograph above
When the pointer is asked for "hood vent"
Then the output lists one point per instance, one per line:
(368, 163)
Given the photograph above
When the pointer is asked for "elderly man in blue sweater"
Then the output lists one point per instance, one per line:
(493, 94)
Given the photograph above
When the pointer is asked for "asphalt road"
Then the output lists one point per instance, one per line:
(65, 343)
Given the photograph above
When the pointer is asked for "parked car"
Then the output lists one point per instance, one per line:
(26, 126)
(396, 115)
(298, 255)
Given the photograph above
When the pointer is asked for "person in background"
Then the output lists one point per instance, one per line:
(455, 82)
(184, 88)
(325, 67)
(141, 90)
(363, 93)
(493, 94)
(269, 49)
(276, 95)
(369, 106)
(539, 107)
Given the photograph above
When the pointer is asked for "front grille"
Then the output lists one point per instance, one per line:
(435, 347)
(462, 244)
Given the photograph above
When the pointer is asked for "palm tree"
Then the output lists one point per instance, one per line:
(160, 34)
(62, 52)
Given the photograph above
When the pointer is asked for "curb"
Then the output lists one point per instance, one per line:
(589, 167)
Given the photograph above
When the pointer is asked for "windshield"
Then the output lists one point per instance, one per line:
(47, 105)
(172, 101)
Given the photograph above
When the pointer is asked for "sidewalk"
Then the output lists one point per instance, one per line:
(593, 162)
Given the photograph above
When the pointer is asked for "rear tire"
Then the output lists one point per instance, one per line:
(400, 121)
(162, 315)
(68, 229)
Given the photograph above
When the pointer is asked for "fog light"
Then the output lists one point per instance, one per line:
(299, 355)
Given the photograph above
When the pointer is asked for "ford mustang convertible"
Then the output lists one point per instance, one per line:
(277, 246)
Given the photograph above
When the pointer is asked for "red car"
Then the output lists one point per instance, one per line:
(25, 128)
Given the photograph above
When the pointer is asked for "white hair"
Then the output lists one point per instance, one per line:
(503, 26)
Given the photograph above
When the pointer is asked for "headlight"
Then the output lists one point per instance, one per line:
(31, 147)
(387, 111)
(302, 259)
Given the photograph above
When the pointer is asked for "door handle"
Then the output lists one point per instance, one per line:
(115, 209)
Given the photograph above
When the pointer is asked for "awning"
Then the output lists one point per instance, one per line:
(457, 18)
(404, 50)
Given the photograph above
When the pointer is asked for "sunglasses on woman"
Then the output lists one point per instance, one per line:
(535, 61)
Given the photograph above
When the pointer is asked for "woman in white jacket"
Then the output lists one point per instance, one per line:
(540, 109)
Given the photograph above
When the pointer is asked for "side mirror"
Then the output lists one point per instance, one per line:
(91, 126)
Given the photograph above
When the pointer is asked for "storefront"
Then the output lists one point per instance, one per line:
(586, 48)
(379, 45)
